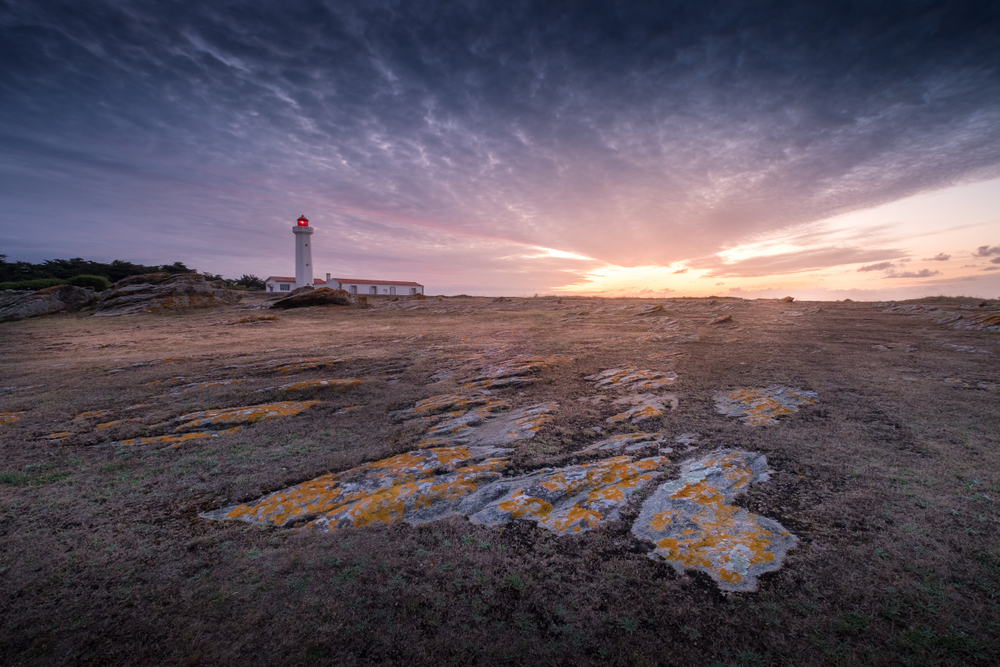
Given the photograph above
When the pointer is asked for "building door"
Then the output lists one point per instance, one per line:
(392, 290)
(374, 290)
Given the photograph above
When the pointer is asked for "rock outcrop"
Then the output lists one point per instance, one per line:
(156, 292)
(44, 302)
(324, 296)
(695, 526)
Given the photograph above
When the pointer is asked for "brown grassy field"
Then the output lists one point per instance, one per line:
(890, 481)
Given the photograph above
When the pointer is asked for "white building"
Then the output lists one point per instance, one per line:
(358, 286)
(352, 285)
(286, 283)
(304, 273)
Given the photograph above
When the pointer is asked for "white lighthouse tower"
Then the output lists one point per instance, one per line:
(303, 253)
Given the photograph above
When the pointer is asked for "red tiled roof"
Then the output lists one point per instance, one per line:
(377, 282)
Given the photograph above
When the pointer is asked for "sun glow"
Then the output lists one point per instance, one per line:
(759, 249)
(561, 254)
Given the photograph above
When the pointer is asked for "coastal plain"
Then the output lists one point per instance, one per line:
(468, 480)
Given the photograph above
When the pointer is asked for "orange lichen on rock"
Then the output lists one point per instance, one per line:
(673, 355)
(760, 407)
(93, 414)
(332, 385)
(514, 373)
(455, 403)
(695, 526)
(9, 417)
(359, 495)
(309, 365)
(569, 500)
(632, 378)
(414, 502)
(986, 321)
(55, 437)
(644, 406)
(117, 422)
(244, 415)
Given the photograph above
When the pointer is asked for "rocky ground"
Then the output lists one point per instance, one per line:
(527, 481)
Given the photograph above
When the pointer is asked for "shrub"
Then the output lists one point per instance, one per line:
(250, 281)
(99, 283)
(36, 284)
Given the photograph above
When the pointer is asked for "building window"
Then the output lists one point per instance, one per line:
(284, 287)
(354, 289)
(392, 290)
(374, 290)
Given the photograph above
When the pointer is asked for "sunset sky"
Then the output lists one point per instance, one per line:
(823, 150)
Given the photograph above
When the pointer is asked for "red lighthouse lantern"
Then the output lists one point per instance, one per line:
(303, 221)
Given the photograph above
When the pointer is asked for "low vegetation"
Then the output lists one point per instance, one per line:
(889, 480)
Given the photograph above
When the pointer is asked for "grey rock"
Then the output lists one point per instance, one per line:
(695, 526)
(156, 292)
(44, 302)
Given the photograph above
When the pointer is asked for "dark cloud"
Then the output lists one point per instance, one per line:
(881, 266)
(680, 271)
(940, 257)
(995, 260)
(986, 251)
(922, 273)
(631, 132)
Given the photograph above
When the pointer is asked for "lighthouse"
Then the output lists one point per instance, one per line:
(303, 253)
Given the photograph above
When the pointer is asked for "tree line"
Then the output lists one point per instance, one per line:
(49, 272)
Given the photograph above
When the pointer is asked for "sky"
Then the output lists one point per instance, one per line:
(818, 149)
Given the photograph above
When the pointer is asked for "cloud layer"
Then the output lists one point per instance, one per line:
(420, 133)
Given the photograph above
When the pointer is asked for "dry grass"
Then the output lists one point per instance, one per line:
(890, 481)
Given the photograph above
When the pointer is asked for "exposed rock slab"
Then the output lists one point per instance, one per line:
(206, 384)
(243, 415)
(632, 378)
(381, 491)
(324, 296)
(9, 417)
(514, 373)
(961, 348)
(312, 385)
(481, 426)
(984, 322)
(45, 302)
(628, 443)
(156, 292)
(439, 404)
(431, 484)
(643, 407)
(760, 407)
(695, 526)
(574, 499)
